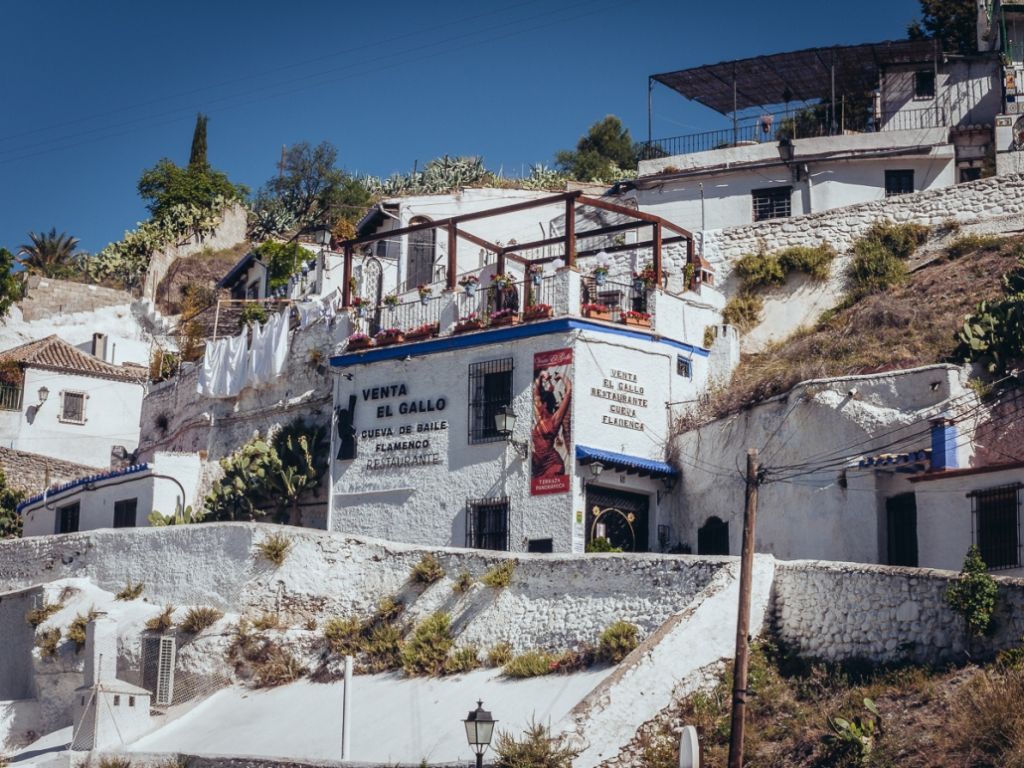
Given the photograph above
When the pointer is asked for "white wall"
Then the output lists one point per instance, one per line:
(967, 91)
(112, 411)
(96, 506)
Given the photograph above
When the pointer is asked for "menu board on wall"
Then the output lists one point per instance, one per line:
(551, 435)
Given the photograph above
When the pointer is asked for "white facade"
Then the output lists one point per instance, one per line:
(110, 414)
(123, 498)
(420, 466)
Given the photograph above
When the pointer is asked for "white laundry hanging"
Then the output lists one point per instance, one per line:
(209, 367)
(279, 356)
(309, 313)
(236, 364)
(259, 354)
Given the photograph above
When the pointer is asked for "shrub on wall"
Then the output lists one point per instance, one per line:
(427, 650)
(617, 642)
(743, 311)
(537, 748)
(879, 257)
(973, 594)
(499, 576)
(427, 570)
(199, 618)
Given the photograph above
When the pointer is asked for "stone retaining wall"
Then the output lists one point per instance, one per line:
(46, 297)
(32, 472)
(966, 203)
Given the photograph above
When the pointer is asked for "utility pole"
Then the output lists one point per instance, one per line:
(739, 685)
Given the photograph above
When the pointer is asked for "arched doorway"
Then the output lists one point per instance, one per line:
(419, 261)
(713, 537)
(372, 291)
(619, 517)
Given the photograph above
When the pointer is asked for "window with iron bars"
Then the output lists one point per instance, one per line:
(773, 203)
(487, 524)
(490, 388)
(996, 525)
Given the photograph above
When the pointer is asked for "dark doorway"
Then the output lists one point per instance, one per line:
(901, 529)
(713, 537)
(618, 516)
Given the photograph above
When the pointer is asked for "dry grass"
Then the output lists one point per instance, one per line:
(426, 652)
(914, 323)
(77, 628)
(464, 659)
(462, 582)
(130, 591)
(500, 655)
(263, 662)
(48, 641)
(499, 576)
(427, 570)
(163, 621)
(275, 548)
(199, 618)
(37, 616)
(267, 621)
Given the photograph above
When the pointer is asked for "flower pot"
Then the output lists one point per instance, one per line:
(357, 344)
(470, 289)
(639, 286)
(536, 278)
(600, 278)
(598, 314)
(540, 314)
(470, 325)
(360, 312)
(497, 322)
(637, 321)
(421, 333)
(387, 341)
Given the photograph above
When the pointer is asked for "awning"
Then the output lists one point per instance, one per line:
(625, 463)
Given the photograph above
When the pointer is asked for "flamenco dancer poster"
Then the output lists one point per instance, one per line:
(551, 436)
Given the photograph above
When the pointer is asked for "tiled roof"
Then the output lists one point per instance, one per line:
(54, 490)
(55, 354)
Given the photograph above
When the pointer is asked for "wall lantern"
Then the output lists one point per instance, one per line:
(786, 149)
(596, 469)
(323, 236)
(669, 482)
(505, 425)
(479, 730)
(43, 394)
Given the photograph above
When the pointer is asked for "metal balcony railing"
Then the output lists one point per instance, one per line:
(10, 397)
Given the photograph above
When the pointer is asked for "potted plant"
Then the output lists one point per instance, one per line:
(470, 322)
(359, 305)
(469, 284)
(537, 312)
(600, 274)
(391, 300)
(424, 291)
(597, 311)
(632, 317)
(425, 331)
(645, 279)
(501, 281)
(388, 336)
(358, 341)
(536, 275)
(504, 317)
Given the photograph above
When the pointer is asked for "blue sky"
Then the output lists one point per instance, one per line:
(95, 92)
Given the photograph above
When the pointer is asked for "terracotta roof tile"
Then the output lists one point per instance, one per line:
(55, 354)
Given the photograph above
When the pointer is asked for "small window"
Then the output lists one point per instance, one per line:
(124, 513)
(131, 701)
(545, 546)
(997, 525)
(67, 518)
(924, 85)
(117, 700)
(490, 388)
(487, 524)
(684, 367)
(772, 203)
(72, 407)
(899, 183)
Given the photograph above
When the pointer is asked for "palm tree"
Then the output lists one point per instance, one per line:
(50, 254)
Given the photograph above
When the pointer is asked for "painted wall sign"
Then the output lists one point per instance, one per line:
(551, 435)
(625, 395)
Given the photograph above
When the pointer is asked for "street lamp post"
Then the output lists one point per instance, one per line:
(479, 730)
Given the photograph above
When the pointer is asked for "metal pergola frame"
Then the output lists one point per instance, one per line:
(571, 201)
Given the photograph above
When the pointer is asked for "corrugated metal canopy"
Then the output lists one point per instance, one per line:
(795, 76)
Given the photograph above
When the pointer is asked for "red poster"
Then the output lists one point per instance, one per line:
(551, 436)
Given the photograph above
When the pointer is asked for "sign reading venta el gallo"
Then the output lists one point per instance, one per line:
(627, 400)
(390, 446)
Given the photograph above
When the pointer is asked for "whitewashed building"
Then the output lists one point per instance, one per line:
(587, 366)
(818, 129)
(121, 498)
(59, 401)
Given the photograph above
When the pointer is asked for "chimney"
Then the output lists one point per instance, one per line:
(943, 445)
(100, 650)
(99, 345)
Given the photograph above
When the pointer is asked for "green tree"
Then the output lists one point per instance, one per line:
(10, 520)
(166, 184)
(302, 450)
(952, 22)
(601, 155)
(282, 259)
(10, 285)
(309, 191)
(973, 594)
(197, 156)
(49, 254)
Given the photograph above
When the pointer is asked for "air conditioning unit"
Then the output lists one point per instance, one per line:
(165, 672)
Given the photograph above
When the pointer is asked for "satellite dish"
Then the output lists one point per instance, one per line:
(689, 748)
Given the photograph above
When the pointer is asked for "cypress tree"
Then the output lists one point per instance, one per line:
(197, 157)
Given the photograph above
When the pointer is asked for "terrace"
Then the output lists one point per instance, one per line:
(605, 262)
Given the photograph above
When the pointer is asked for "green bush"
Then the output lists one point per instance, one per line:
(743, 311)
(873, 270)
(463, 659)
(536, 749)
(973, 594)
(759, 270)
(972, 243)
(427, 650)
(389, 609)
(282, 260)
(813, 261)
(383, 648)
(530, 664)
(130, 591)
(253, 313)
(199, 618)
(993, 334)
(901, 240)
(427, 570)
(499, 576)
(462, 582)
(601, 544)
(617, 642)
(500, 655)
(344, 636)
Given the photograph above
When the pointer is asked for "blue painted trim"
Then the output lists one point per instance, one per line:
(944, 446)
(498, 335)
(625, 460)
(54, 490)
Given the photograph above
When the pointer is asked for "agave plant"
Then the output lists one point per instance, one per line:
(49, 254)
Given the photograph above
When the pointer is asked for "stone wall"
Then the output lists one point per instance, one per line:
(32, 472)
(46, 297)
(837, 611)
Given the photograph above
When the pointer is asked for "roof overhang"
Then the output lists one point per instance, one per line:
(794, 76)
(623, 462)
